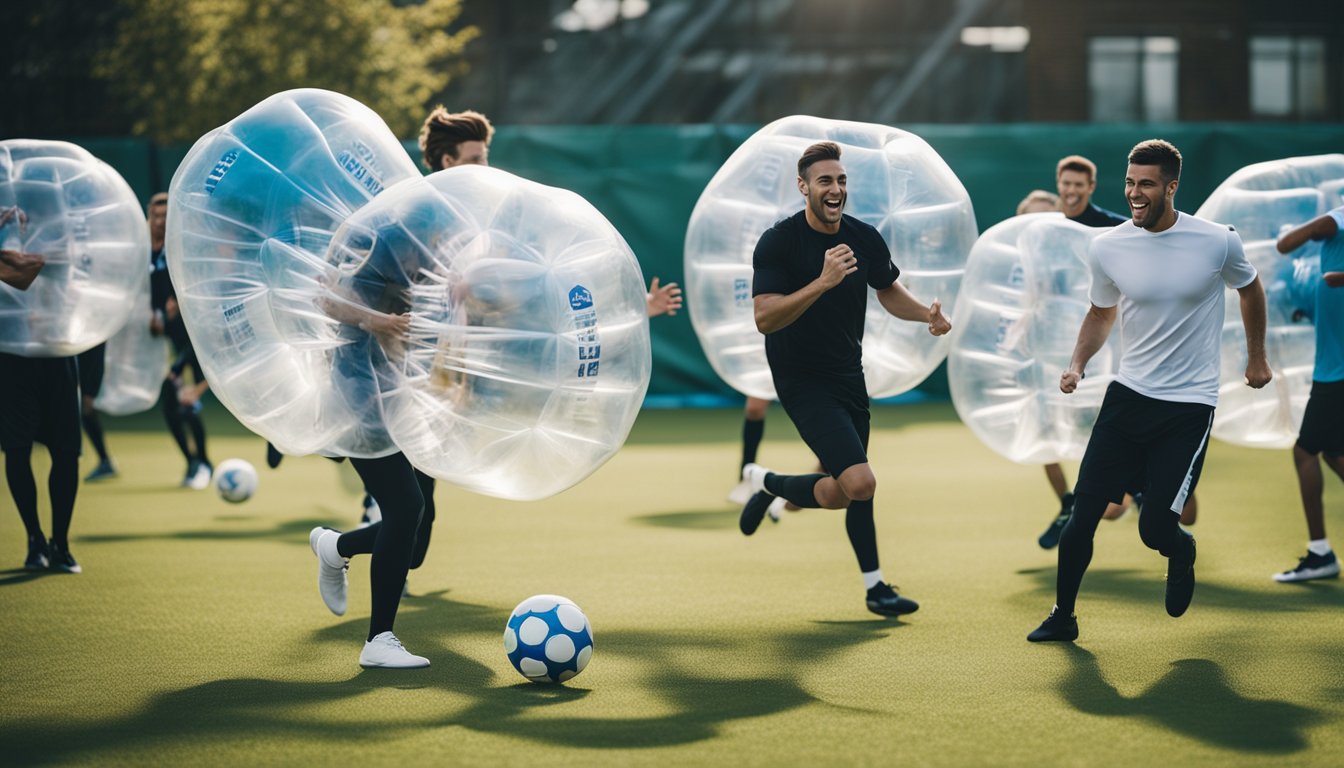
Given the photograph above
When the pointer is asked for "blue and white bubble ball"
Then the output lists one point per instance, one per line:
(548, 639)
(251, 212)
(1022, 302)
(527, 355)
(897, 183)
(80, 216)
(1262, 201)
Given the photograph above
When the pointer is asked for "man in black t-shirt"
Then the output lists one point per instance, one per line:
(812, 274)
(1076, 180)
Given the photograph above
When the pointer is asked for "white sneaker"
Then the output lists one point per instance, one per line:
(754, 476)
(740, 493)
(775, 508)
(331, 568)
(201, 480)
(387, 652)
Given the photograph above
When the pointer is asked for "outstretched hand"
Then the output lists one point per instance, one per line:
(665, 300)
(938, 324)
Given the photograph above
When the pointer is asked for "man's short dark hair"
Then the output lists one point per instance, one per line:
(822, 150)
(1160, 153)
(443, 131)
(1077, 163)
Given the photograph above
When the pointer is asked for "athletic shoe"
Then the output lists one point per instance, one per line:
(1313, 566)
(385, 651)
(201, 480)
(775, 508)
(61, 560)
(37, 555)
(1181, 579)
(754, 476)
(192, 467)
(372, 512)
(883, 600)
(754, 511)
(1050, 539)
(1056, 627)
(104, 470)
(273, 456)
(331, 568)
(740, 493)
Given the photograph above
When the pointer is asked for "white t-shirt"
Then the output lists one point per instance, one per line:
(1169, 286)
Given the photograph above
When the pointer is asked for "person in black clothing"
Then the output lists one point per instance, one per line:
(1076, 180)
(39, 402)
(812, 273)
(91, 368)
(181, 402)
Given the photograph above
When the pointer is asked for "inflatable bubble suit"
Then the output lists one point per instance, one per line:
(1022, 301)
(81, 217)
(251, 212)
(135, 362)
(897, 183)
(1261, 201)
(528, 351)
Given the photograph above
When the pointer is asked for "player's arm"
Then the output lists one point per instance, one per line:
(900, 303)
(1334, 279)
(1319, 228)
(665, 300)
(775, 311)
(1252, 296)
(1092, 336)
(20, 269)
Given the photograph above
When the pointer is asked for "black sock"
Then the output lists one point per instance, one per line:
(193, 420)
(22, 486)
(62, 485)
(94, 429)
(862, 534)
(797, 489)
(1075, 549)
(752, 432)
(172, 415)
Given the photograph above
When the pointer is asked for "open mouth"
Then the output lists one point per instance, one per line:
(1138, 208)
(832, 204)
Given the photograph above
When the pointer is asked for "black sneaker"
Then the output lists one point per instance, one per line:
(37, 555)
(1181, 579)
(883, 600)
(1313, 566)
(62, 560)
(105, 469)
(753, 512)
(1057, 627)
(1050, 539)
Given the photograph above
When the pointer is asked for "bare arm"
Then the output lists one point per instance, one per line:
(1092, 336)
(1319, 228)
(900, 303)
(775, 311)
(20, 269)
(1253, 319)
(1334, 279)
(665, 300)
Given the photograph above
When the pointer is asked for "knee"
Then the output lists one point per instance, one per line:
(858, 483)
(1152, 529)
(756, 408)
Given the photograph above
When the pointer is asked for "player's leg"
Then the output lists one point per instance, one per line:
(1055, 474)
(20, 422)
(753, 431)
(426, 527)
(61, 434)
(172, 416)
(191, 416)
(91, 367)
(1175, 458)
(1321, 436)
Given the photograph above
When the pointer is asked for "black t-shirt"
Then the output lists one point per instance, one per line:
(828, 337)
(1093, 216)
(160, 285)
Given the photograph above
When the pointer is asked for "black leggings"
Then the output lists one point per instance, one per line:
(1158, 528)
(179, 418)
(405, 497)
(62, 485)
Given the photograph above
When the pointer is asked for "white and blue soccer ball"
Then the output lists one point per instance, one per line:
(235, 480)
(548, 639)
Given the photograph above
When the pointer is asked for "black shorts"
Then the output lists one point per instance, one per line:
(39, 403)
(91, 369)
(831, 415)
(1323, 422)
(1140, 442)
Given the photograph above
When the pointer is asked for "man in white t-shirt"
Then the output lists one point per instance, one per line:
(1164, 273)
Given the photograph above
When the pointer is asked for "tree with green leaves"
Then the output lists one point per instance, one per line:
(184, 67)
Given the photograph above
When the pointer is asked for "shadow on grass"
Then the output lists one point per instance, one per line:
(22, 576)
(687, 705)
(1194, 699)
(295, 530)
(1148, 586)
(701, 520)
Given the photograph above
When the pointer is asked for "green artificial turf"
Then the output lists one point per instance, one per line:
(196, 636)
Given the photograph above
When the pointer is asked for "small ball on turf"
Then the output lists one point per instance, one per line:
(548, 639)
(235, 480)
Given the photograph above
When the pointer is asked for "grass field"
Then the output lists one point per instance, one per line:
(195, 635)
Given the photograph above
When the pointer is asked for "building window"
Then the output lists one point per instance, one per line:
(1288, 77)
(1133, 78)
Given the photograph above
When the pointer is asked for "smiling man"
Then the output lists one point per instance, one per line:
(1165, 271)
(1076, 180)
(812, 274)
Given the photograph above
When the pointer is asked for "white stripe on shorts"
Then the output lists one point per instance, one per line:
(1179, 502)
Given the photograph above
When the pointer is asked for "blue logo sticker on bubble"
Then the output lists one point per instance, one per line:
(217, 173)
(580, 298)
